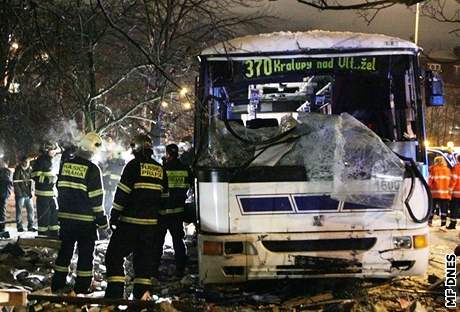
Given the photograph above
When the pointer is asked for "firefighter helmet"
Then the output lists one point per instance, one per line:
(141, 142)
(90, 142)
(172, 150)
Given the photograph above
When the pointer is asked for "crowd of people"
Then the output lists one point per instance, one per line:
(143, 200)
(444, 184)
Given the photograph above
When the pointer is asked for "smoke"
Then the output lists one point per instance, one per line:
(112, 149)
(65, 132)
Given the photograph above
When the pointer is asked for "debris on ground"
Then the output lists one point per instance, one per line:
(26, 266)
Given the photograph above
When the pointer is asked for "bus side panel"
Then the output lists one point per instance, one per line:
(213, 199)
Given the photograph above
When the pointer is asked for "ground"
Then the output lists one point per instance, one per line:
(25, 266)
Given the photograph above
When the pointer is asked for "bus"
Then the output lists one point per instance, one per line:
(308, 153)
(450, 154)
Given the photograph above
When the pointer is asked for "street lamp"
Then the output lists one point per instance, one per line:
(417, 22)
(14, 46)
(183, 91)
(187, 105)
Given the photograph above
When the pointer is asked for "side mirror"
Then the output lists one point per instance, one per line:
(434, 89)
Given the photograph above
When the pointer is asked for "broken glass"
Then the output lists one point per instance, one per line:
(337, 149)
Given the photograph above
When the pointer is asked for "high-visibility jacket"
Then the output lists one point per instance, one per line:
(455, 181)
(140, 191)
(179, 181)
(43, 176)
(80, 192)
(439, 181)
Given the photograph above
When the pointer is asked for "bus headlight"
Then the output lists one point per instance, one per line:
(420, 241)
(402, 242)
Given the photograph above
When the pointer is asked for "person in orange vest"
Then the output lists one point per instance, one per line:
(455, 191)
(438, 182)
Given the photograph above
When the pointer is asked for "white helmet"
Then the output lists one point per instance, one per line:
(91, 142)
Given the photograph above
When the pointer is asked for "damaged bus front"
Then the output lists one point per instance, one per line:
(308, 149)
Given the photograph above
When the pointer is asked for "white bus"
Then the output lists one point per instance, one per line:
(297, 175)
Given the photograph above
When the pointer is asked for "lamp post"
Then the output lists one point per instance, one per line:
(417, 22)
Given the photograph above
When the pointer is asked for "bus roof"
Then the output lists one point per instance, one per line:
(308, 40)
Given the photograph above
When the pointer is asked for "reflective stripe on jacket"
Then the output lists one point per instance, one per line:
(80, 192)
(43, 176)
(179, 181)
(439, 181)
(140, 191)
(455, 181)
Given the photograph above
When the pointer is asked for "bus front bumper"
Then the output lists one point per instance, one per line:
(364, 254)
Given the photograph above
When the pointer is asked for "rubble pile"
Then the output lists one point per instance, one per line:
(30, 268)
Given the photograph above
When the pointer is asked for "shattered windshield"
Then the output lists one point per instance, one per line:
(329, 121)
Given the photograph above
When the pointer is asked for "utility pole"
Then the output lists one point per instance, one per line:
(417, 22)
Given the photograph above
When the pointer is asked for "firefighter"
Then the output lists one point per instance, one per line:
(455, 191)
(172, 214)
(134, 221)
(112, 174)
(80, 214)
(438, 182)
(45, 191)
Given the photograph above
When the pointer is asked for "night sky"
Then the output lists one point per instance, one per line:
(397, 21)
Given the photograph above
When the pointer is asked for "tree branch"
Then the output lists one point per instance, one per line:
(117, 82)
(365, 5)
(138, 46)
(127, 114)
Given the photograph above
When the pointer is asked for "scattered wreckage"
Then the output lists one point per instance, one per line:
(26, 270)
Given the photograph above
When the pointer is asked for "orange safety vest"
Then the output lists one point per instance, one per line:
(439, 181)
(455, 181)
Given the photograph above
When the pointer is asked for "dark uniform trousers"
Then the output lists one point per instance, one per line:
(126, 239)
(2, 213)
(440, 207)
(85, 235)
(454, 211)
(175, 225)
(47, 218)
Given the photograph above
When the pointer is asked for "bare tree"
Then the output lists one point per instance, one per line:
(168, 35)
(439, 10)
(85, 53)
(110, 64)
(445, 12)
(23, 108)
